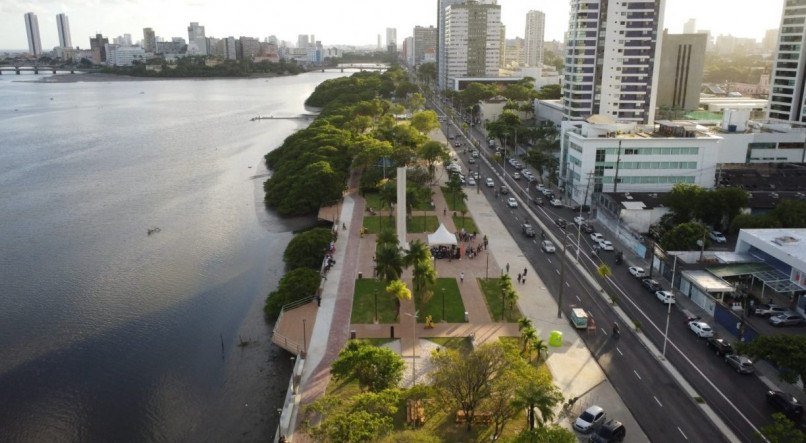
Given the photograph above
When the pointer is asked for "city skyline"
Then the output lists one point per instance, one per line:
(131, 16)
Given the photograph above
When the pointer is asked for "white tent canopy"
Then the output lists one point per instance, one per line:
(442, 237)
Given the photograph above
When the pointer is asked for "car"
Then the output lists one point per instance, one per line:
(651, 285)
(767, 310)
(516, 176)
(471, 181)
(489, 182)
(586, 228)
(718, 237)
(787, 404)
(740, 363)
(720, 346)
(457, 144)
(504, 190)
(538, 201)
(611, 432)
(540, 187)
(512, 203)
(579, 220)
(701, 328)
(556, 203)
(475, 154)
(561, 223)
(605, 245)
(528, 230)
(596, 237)
(637, 271)
(665, 297)
(547, 246)
(590, 419)
(788, 318)
(451, 137)
(530, 177)
(545, 191)
(471, 161)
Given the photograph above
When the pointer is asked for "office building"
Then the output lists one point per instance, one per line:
(197, 41)
(789, 66)
(302, 41)
(535, 30)
(98, 48)
(472, 41)
(442, 66)
(149, 40)
(690, 27)
(610, 59)
(63, 28)
(230, 48)
(379, 47)
(124, 55)
(682, 60)
(407, 49)
(249, 47)
(391, 36)
(32, 29)
(425, 41)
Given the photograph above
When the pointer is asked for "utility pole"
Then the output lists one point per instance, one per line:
(579, 226)
(618, 161)
(669, 309)
(562, 282)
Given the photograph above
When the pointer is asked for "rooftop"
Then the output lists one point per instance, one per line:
(774, 177)
(789, 241)
(707, 282)
(637, 200)
(604, 126)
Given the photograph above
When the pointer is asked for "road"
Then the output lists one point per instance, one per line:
(659, 404)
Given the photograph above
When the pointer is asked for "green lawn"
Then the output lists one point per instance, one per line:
(461, 344)
(454, 308)
(419, 223)
(465, 222)
(492, 293)
(364, 302)
(460, 205)
(373, 223)
(373, 200)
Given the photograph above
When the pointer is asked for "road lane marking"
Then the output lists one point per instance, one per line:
(578, 298)
(658, 401)
(569, 285)
(681, 433)
(549, 260)
(603, 331)
(636, 374)
(619, 351)
(557, 271)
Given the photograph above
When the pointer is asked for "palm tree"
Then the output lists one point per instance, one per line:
(538, 394)
(528, 335)
(541, 347)
(524, 323)
(505, 285)
(398, 289)
(387, 236)
(511, 297)
(424, 275)
(388, 261)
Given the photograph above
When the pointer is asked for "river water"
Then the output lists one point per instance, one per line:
(108, 333)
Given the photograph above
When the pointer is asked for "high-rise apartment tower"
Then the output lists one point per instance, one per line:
(789, 65)
(63, 27)
(32, 29)
(535, 30)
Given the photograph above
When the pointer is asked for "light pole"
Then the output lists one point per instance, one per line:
(562, 279)
(669, 309)
(304, 339)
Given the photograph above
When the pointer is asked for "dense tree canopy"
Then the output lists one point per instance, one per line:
(307, 249)
(365, 417)
(295, 285)
(684, 237)
(784, 351)
(375, 368)
(196, 67)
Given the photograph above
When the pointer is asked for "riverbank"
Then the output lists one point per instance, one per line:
(107, 77)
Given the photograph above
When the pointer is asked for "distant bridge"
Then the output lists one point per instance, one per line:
(360, 66)
(35, 69)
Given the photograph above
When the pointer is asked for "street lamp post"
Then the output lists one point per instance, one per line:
(669, 309)
(562, 279)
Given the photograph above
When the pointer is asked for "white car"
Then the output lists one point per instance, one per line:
(590, 419)
(471, 181)
(596, 237)
(547, 246)
(471, 161)
(637, 272)
(540, 187)
(475, 154)
(665, 296)
(512, 203)
(556, 203)
(718, 237)
(605, 245)
(578, 220)
(475, 175)
(516, 176)
(701, 328)
(489, 182)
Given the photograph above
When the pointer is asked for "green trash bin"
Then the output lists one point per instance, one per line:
(556, 339)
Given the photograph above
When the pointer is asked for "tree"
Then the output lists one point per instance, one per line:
(747, 221)
(424, 121)
(524, 323)
(398, 290)
(295, 285)
(388, 261)
(415, 102)
(505, 286)
(538, 394)
(307, 249)
(781, 430)
(427, 72)
(550, 92)
(464, 380)
(424, 276)
(683, 200)
(540, 347)
(528, 335)
(791, 213)
(784, 351)
(454, 186)
(683, 237)
(551, 434)
(364, 417)
(374, 368)
(433, 151)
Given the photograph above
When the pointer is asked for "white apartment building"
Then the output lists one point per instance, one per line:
(535, 32)
(63, 28)
(124, 55)
(600, 155)
(789, 66)
(610, 59)
(32, 30)
(442, 61)
(472, 40)
(197, 42)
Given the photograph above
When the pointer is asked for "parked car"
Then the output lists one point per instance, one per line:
(718, 237)
(637, 271)
(651, 285)
(701, 328)
(516, 175)
(528, 230)
(471, 161)
(548, 247)
(504, 190)
(767, 310)
(786, 404)
(590, 419)
(471, 181)
(740, 363)
(586, 228)
(611, 432)
(720, 346)
(538, 201)
(579, 220)
(665, 297)
(556, 203)
(788, 318)
(561, 223)
(596, 237)
(512, 203)
(489, 182)
(605, 245)
(540, 187)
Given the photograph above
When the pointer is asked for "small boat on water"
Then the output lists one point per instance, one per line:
(153, 230)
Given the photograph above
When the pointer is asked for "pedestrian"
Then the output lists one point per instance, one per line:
(344, 226)
(461, 277)
(523, 280)
(507, 268)
(524, 272)
(519, 278)
(444, 211)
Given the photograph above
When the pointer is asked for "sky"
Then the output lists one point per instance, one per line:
(349, 22)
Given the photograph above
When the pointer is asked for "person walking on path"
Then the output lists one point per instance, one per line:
(523, 280)
(519, 278)
(507, 268)
(524, 272)
(461, 277)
